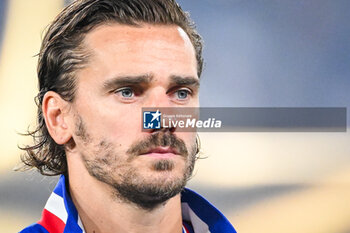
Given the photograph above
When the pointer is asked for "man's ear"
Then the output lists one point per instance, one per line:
(54, 111)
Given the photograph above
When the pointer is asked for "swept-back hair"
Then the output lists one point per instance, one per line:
(62, 53)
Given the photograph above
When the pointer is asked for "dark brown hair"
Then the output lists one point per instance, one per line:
(62, 53)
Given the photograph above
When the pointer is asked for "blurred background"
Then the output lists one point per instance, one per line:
(258, 54)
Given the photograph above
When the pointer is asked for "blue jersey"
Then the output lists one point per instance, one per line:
(61, 216)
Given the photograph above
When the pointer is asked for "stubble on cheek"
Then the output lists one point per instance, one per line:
(80, 130)
(97, 156)
(98, 160)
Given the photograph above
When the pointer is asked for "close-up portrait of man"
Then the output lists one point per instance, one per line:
(100, 62)
(174, 116)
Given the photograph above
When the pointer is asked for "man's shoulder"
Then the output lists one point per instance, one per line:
(35, 227)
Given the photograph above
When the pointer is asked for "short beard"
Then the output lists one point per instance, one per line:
(150, 195)
(131, 187)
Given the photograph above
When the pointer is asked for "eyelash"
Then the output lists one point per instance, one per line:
(136, 92)
(123, 89)
(188, 91)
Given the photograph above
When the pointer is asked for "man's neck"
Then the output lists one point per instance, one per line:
(100, 211)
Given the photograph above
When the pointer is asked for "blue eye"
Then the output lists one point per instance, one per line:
(126, 92)
(182, 94)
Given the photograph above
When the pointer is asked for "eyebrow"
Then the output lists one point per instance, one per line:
(175, 80)
(127, 80)
(184, 81)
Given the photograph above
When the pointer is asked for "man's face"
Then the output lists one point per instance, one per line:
(130, 68)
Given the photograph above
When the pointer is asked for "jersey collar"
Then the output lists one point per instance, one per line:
(60, 214)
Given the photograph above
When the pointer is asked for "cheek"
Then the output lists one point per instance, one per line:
(188, 137)
(121, 123)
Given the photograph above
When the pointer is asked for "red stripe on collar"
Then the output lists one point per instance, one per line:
(186, 230)
(51, 222)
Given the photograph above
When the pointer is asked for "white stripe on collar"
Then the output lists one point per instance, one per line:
(55, 205)
(80, 224)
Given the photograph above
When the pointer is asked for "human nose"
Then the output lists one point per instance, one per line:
(158, 98)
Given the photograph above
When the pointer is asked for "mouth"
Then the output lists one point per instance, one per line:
(161, 152)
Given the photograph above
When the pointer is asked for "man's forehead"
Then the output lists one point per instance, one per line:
(125, 34)
(116, 50)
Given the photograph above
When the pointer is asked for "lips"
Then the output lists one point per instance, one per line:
(161, 152)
